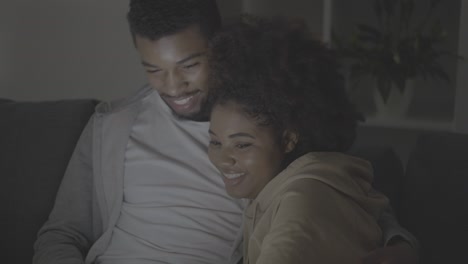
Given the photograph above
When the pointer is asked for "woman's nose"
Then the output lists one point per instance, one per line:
(226, 159)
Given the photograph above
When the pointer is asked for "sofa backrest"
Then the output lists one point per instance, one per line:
(388, 170)
(36, 139)
(434, 205)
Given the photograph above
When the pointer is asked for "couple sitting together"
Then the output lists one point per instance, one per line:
(276, 185)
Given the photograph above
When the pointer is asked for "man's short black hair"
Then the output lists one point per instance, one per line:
(154, 19)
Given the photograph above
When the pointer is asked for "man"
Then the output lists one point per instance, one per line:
(139, 187)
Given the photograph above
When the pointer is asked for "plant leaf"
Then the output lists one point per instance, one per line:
(400, 48)
(438, 72)
(369, 30)
(400, 83)
(384, 87)
(357, 71)
(365, 33)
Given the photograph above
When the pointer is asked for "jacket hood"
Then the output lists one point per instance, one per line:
(348, 175)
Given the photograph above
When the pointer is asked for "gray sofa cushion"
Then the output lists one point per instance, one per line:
(435, 198)
(36, 139)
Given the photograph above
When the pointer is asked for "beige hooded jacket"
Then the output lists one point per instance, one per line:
(320, 209)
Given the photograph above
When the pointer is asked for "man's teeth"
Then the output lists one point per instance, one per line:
(232, 175)
(182, 101)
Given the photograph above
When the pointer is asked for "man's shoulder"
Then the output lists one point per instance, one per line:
(118, 105)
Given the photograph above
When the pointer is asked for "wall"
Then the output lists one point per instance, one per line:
(56, 49)
(309, 10)
(53, 49)
(461, 109)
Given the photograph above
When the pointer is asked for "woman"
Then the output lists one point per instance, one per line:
(278, 135)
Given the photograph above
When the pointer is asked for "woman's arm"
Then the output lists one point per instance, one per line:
(400, 246)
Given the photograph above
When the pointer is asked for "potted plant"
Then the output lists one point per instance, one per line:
(396, 49)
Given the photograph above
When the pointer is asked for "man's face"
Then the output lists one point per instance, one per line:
(247, 155)
(176, 67)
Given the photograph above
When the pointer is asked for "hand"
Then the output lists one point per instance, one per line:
(398, 253)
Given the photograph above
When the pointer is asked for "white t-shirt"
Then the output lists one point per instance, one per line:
(175, 207)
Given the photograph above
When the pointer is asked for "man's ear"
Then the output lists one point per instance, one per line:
(290, 139)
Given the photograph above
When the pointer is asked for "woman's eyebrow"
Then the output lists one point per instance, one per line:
(241, 134)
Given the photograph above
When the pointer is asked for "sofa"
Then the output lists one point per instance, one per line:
(426, 178)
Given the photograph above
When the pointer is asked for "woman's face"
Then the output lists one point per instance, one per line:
(248, 155)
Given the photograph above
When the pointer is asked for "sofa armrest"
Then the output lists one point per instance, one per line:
(434, 204)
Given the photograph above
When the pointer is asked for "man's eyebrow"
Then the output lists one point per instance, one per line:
(198, 54)
(147, 64)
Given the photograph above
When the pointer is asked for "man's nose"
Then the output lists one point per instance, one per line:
(175, 83)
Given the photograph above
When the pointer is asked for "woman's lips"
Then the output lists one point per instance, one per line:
(231, 179)
(232, 175)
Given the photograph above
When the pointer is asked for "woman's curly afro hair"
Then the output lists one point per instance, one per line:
(283, 77)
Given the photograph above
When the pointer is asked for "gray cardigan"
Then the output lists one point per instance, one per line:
(90, 196)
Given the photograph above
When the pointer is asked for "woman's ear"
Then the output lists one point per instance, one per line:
(290, 139)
